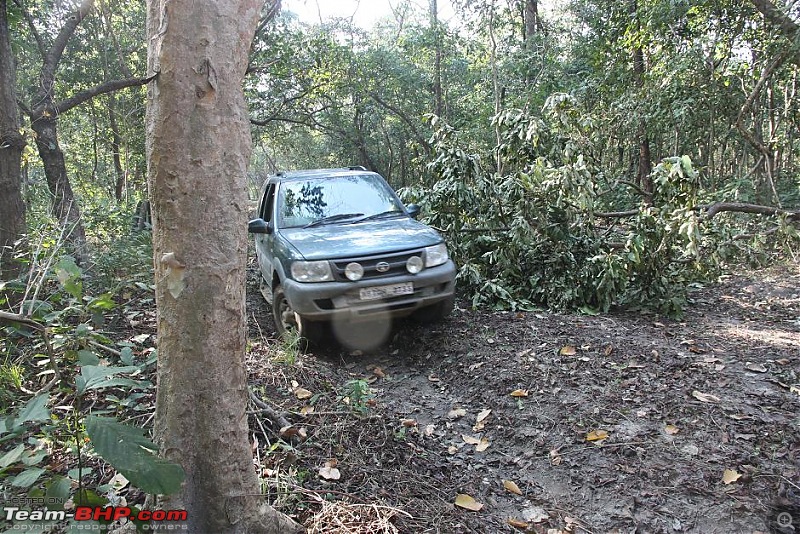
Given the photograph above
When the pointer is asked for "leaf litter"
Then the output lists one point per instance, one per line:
(678, 426)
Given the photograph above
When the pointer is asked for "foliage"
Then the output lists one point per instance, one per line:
(535, 236)
(86, 369)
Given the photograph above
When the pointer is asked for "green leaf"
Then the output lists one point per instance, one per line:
(126, 356)
(131, 453)
(58, 490)
(34, 410)
(27, 478)
(97, 376)
(87, 357)
(69, 275)
(12, 456)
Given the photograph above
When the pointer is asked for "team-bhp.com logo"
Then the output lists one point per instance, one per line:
(94, 513)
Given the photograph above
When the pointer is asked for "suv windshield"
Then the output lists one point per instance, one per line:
(340, 199)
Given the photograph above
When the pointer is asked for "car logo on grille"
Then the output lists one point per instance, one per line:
(382, 267)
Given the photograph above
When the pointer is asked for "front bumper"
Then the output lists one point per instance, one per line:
(323, 301)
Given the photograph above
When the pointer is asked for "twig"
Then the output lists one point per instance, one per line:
(272, 414)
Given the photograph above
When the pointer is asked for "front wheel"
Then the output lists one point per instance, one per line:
(436, 312)
(288, 322)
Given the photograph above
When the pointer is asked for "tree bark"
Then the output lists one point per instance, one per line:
(532, 23)
(438, 99)
(645, 166)
(779, 20)
(12, 206)
(198, 147)
(65, 207)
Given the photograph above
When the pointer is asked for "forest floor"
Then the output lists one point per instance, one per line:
(547, 422)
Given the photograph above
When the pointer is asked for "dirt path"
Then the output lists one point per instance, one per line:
(563, 423)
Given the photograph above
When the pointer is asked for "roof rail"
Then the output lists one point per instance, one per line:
(357, 168)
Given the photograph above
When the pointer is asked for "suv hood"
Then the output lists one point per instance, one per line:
(360, 239)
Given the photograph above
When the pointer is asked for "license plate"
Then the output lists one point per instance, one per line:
(384, 292)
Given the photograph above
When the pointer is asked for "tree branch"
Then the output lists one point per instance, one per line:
(53, 56)
(105, 87)
(776, 18)
(32, 27)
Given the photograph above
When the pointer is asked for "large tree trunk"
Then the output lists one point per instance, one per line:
(198, 147)
(12, 207)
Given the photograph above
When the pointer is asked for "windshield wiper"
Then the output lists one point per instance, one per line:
(379, 215)
(332, 218)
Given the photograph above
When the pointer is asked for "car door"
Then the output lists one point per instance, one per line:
(265, 242)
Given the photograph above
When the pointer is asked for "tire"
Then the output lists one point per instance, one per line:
(436, 312)
(288, 322)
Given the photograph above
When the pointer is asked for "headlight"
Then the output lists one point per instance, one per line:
(436, 255)
(354, 271)
(312, 271)
(414, 264)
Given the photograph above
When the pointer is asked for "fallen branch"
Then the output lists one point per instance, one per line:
(277, 419)
(712, 210)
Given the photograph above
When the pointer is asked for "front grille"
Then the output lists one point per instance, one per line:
(397, 265)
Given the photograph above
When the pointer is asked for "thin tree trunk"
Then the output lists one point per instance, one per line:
(438, 107)
(532, 23)
(116, 147)
(12, 206)
(64, 206)
(198, 147)
(645, 165)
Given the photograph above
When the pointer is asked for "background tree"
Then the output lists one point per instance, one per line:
(198, 152)
(44, 109)
(12, 207)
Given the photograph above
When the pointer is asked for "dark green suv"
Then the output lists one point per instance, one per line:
(338, 244)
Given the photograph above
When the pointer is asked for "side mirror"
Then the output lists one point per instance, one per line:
(259, 226)
(413, 210)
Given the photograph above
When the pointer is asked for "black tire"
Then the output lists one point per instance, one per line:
(287, 321)
(436, 312)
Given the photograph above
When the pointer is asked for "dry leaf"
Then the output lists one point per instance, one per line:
(519, 393)
(483, 445)
(671, 430)
(483, 414)
(512, 487)
(596, 435)
(302, 393)
(429, 430)
(608, 350)
(783, 361)
(555, 457)
(567, 350)
(755, 367)
(467, 502)
(379, 372)
(705, 397)
(730, 476)
(329, 471)
(516, 523)
(470, 440)
(452, 449)
(306, 410)
(434, 378)
(408, 423)
(455, 413)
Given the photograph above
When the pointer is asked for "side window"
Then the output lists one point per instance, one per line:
(267, 203)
